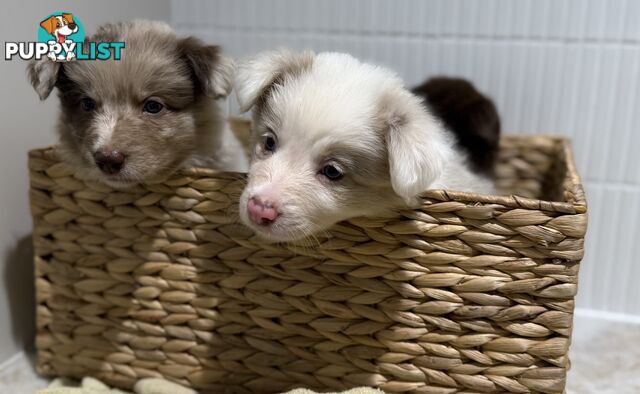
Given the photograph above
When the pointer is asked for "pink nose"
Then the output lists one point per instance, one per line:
(261, 212)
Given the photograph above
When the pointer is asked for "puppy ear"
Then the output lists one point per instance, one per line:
(49, 24)
(212, 71)
(43, 75)
(417, 143)
(68, 17)
(258, 75)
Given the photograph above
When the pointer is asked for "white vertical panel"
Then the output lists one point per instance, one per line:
(631, 25)
(433, 17)
(576, 20)
(600, 139)
(614, 20)
(624, 112)
(558, 19)
(541, 18)
(596, 18)
(625, 294)
(631, 141)
(568, 67)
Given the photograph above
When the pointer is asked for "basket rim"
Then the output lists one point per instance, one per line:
(573, 186)
(576, 203)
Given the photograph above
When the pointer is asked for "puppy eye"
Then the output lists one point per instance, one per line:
(152, 106)
(331, 172)
(269, 144)
(88, 104)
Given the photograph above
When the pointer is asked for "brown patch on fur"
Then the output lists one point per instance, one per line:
(469, 115)
(203, 60)
(294, 66)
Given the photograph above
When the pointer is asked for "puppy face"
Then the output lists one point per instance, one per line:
(139, 118)
(333, 139)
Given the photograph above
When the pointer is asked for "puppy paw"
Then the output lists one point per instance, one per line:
(52, 56)
(71, 56)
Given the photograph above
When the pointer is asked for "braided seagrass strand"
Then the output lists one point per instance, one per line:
(469, 293)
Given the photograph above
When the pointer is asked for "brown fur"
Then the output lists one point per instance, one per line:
(469, 115)
(291, 66)
(184, 74)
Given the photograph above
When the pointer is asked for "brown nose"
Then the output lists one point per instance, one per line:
(72, 26)
(109, 161)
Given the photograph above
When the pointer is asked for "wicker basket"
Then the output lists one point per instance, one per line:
(469, 293)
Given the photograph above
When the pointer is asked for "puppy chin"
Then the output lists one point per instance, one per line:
(276, 232)
(118, 183)
(92, 174)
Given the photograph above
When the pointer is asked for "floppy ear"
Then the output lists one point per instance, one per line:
(417, 145)
(49, 24)
(68, 17)
(43, 75)
(256, 76)
(212, 71)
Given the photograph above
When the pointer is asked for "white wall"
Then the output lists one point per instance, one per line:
(567, 67)
(27, 123)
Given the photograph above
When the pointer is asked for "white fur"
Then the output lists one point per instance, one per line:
(337, 99)
(104, 124)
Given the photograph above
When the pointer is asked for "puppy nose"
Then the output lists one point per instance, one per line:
(109, 161)
(72, 26)
(261, 212)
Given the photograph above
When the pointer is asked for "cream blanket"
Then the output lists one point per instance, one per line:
(155, 386)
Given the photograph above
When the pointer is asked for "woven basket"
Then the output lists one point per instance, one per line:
(470, 293)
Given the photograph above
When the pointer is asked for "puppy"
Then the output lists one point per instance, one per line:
(335, 138)
(469, 115)
(140, 118)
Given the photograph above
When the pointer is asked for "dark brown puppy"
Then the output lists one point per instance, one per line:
(471, 116)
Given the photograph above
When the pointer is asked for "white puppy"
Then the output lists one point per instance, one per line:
(336, 138)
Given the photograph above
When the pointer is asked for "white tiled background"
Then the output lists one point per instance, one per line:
(567, 67)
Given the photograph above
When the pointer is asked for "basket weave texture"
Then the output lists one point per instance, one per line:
(470, 293)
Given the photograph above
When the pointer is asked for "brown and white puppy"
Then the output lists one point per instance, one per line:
(140, 118)
(336, 138)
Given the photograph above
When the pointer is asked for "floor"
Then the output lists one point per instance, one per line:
(605, 357)
(605, 360)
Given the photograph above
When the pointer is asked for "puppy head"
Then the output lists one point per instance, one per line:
(333, 139)
(139, 118)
